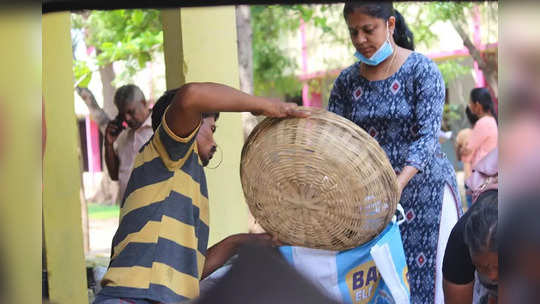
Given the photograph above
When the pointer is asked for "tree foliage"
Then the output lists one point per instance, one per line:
(273, 66)
(273, 69)
(82, 73)
(129, 36)
(452, 69)
(423, 15)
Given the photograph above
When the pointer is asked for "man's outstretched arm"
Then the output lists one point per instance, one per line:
(193, 99)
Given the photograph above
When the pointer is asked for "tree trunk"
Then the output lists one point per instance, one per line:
(491, 73)
(245, 61)
(85, 223)
(96, 112)
(488, 67)
(245, 52)
(101, 116)
(84, 206)
(108, 187)
(107, 76)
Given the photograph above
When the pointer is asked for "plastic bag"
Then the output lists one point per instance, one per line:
(354, 276)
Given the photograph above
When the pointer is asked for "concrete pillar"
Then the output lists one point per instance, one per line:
(61, 181)
(200, 45)
(20, 156)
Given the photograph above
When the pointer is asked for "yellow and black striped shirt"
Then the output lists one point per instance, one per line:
(159, 249)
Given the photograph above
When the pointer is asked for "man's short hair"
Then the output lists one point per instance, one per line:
(210, 114)
(163, 102)
(128, 93)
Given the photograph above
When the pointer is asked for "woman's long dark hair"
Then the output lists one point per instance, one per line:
(470, 116)
(384, 10)
(483, 97)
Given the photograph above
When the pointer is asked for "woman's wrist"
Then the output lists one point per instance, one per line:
(400, 183)
(402, 180)
(405, 176)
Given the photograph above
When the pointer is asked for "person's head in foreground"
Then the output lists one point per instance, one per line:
(520, 247)
(206, 144)
(131, 104)
(375, 27)
(480, 235)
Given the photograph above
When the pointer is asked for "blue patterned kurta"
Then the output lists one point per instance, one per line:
(403, 113)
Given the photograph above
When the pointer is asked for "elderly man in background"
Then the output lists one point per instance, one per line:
(122, 144)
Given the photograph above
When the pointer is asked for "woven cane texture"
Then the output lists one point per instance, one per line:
(319, 182)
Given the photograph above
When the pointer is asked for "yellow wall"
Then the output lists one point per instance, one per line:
(209, 53)
(20, 156)
(61, 202)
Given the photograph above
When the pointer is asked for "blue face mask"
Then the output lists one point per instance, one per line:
(380, 55)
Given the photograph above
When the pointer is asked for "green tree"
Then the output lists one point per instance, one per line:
(132, 37)
(273, 66)
(422, 16)
(273, 69)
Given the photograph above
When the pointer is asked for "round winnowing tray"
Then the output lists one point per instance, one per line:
(319, 182)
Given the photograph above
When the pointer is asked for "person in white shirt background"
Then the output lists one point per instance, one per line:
(126, 134)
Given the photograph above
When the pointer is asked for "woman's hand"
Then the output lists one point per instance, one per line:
(401, 186)
(404, 177)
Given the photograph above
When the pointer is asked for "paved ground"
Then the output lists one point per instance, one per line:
(101, 234)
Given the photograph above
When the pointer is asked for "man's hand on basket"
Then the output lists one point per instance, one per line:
(280, 109)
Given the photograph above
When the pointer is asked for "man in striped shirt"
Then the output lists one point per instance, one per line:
(159, 252)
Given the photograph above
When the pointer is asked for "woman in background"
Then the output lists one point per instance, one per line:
(483, 137)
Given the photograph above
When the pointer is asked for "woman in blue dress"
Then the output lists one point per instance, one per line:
(397, 96)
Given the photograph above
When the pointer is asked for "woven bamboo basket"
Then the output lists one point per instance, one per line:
(319, 182)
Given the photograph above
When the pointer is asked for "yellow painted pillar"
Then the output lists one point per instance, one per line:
(200, 45)
(172, 46)
(20, 156)
(61, 202)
